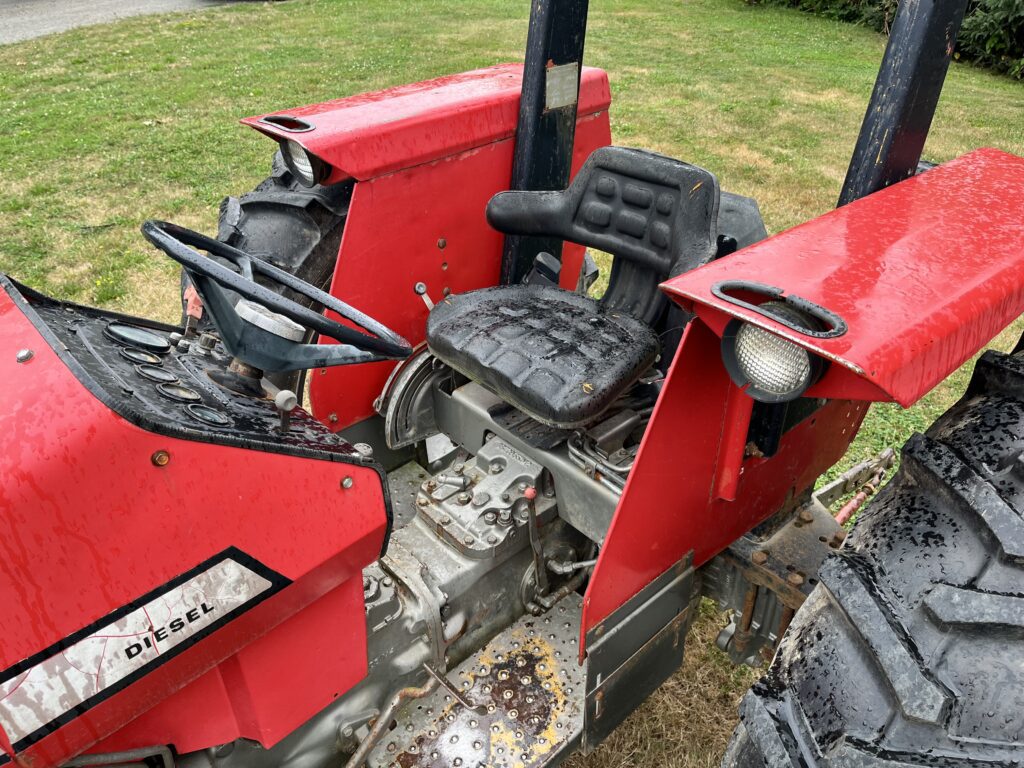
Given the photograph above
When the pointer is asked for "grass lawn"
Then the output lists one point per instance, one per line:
(106, 126)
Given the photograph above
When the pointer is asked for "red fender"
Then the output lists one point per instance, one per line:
(922, 274)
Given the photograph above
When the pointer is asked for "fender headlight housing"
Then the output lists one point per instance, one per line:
(306, 167)
(771, 369)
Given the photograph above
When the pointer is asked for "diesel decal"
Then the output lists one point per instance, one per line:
(57, 685)
(162, 633)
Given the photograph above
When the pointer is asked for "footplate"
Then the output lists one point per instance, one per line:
(526, 689)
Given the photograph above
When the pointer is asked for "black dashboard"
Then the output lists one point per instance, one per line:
(142, 371)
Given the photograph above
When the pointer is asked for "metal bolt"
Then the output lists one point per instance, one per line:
(463, 498)
(446, 521)
(490, 518)
(806, 516)
(24, 355)
(459, 466)
(431, 485)
(795, 579)
(492, 539)
(469, 540)
(422, 501)
(364, 449)
(442, 243)
(333, 418)
(760, 557)
(347, 482)
(160, 458)
(505, 497)
(420, 288)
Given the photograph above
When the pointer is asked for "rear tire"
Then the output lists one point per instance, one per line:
(910, 651)
(296, 228)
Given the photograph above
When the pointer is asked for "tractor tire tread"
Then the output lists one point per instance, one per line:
(910, 650)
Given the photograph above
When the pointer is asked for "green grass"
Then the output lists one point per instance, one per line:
(103, 127)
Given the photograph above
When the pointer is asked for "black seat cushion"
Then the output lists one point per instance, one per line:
(556, 355)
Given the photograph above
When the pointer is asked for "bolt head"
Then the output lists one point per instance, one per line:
(806, 516)
(795, 579)
(760, 557)
(347, 482)
(24, 355)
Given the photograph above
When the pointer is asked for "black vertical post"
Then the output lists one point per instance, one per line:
(547, 117)
(906, 93)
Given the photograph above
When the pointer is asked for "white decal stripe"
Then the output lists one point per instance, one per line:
(59, 684)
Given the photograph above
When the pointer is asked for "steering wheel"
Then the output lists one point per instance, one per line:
(257, 332)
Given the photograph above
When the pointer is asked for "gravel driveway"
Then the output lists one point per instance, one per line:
(25, 19)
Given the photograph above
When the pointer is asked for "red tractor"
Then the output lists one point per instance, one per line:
(484, 541)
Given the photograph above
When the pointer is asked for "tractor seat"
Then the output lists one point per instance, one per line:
(558, 356)
(561, 357)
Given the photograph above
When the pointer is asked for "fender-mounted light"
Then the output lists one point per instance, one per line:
(771, 368)
(309, 169)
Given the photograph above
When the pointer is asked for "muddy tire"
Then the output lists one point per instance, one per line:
(910, 651)
(294, 227)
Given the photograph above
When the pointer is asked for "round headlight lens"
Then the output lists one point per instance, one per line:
(773, 369)
(300, 162)
(771, 364)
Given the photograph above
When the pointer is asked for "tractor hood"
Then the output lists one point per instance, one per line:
(910, 281)
(140, 549)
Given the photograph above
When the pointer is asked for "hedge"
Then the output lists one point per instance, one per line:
(992, 34)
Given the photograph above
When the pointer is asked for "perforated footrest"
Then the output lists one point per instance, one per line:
(532, 687)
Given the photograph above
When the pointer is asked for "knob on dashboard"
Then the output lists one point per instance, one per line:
(286, 401)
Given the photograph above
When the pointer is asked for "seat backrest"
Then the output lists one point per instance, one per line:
(655, 215)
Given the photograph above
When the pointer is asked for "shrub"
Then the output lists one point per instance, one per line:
(992, 34)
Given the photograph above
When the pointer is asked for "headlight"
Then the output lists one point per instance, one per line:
(773, 369)
(306, 167)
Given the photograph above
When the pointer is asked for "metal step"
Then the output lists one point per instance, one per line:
(526, 690)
